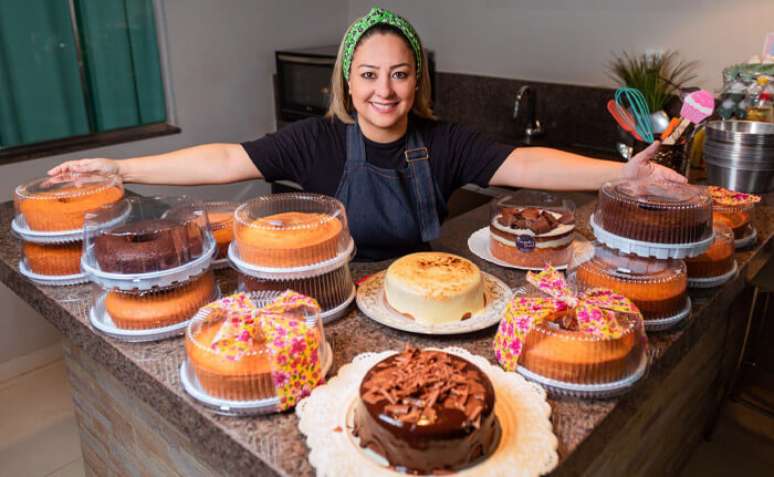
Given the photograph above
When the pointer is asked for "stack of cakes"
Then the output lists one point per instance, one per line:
(644, 229)
(735, 209)
(295, 241)
(49, 220)
(151, 259)
(256, 352)
(717, 265)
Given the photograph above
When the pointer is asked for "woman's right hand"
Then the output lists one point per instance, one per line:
(100, 165)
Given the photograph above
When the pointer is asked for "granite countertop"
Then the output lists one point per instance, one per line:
(258, 444)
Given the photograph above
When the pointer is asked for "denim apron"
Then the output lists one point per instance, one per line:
(391, 212)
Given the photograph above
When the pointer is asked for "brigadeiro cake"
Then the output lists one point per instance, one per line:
(426, 411)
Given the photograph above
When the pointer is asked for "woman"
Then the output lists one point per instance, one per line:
(379, 149)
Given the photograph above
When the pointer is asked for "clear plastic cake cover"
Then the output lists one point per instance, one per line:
(150, 242)
(717, 262)
(291, 231)
(532, 229)
(657, 287)
(736, 209)
(262, 349)
(587, 343)
(221, 217)
(653, 211)
(53, 205)
(142, 313)
(331, 290)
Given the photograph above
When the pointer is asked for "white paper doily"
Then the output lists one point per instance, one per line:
(478, 243)
(371, 301)
(527, 446)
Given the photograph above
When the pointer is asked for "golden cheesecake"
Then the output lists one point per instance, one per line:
(434, 287)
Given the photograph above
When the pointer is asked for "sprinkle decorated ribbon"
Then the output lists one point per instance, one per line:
(595, 311)
(723, 196)
(283, 327)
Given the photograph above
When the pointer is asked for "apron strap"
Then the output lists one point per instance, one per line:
(421, 186)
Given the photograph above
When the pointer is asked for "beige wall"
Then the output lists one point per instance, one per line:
(221, 55)
(569, 41)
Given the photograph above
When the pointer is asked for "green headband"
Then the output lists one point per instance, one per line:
(378, 16)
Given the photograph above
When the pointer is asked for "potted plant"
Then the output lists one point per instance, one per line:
(658, 77)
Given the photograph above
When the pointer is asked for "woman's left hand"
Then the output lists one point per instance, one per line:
(641, 167)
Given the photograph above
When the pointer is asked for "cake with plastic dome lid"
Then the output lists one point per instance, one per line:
(52, 259)
(655, 211)
(718, 259)
(734, 208)
(143, 235)
(58, 203)
(657, 287)
(590, 337)
(221, 218)
(248, 347)
(291, 230)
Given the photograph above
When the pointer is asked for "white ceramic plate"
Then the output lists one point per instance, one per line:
(478, 243)
(371, 301)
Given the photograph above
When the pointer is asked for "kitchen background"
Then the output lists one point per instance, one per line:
(220, 60)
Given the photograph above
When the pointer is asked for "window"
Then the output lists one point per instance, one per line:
(78, 73)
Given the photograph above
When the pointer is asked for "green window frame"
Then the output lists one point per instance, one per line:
(78, 73)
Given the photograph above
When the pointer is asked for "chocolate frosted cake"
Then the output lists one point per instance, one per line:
(148, 246)
(655, 212)
(426, 411)
(531, 236)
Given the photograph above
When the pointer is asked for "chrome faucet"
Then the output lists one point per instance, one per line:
(533, 127)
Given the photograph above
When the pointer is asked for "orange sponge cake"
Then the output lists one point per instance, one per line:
(59, 204)
(157, 309)
(434, 287)
(289, 239)
(54, 259)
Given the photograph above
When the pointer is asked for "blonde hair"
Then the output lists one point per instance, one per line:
(341, 101)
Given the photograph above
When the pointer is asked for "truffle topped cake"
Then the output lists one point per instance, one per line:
(531, 236)
(426, 411)
(434, 287)
(655, 211)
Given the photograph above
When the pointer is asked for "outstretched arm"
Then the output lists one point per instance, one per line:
(206, 164)
(552, 169)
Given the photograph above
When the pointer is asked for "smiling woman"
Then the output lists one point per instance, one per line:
(379, 149)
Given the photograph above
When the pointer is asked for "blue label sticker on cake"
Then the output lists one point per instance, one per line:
(525, 243)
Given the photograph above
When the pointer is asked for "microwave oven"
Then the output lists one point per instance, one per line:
(303, 82)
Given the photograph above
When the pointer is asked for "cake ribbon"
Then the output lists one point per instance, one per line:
(595, 312)
(292, 340)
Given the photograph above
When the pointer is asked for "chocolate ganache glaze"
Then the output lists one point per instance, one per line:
(426, 411)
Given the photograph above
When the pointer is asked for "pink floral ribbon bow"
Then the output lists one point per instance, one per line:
(283, 326)
(595, 312)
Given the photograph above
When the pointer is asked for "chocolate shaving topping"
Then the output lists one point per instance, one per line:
(539, 221)
(415, 385)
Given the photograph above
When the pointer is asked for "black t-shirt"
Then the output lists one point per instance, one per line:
(312, 153)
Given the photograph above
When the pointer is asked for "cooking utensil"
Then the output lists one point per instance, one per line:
(697, 107)
(623, 118)
(639, 110)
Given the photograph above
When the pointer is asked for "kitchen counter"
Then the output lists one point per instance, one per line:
(134, 416)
